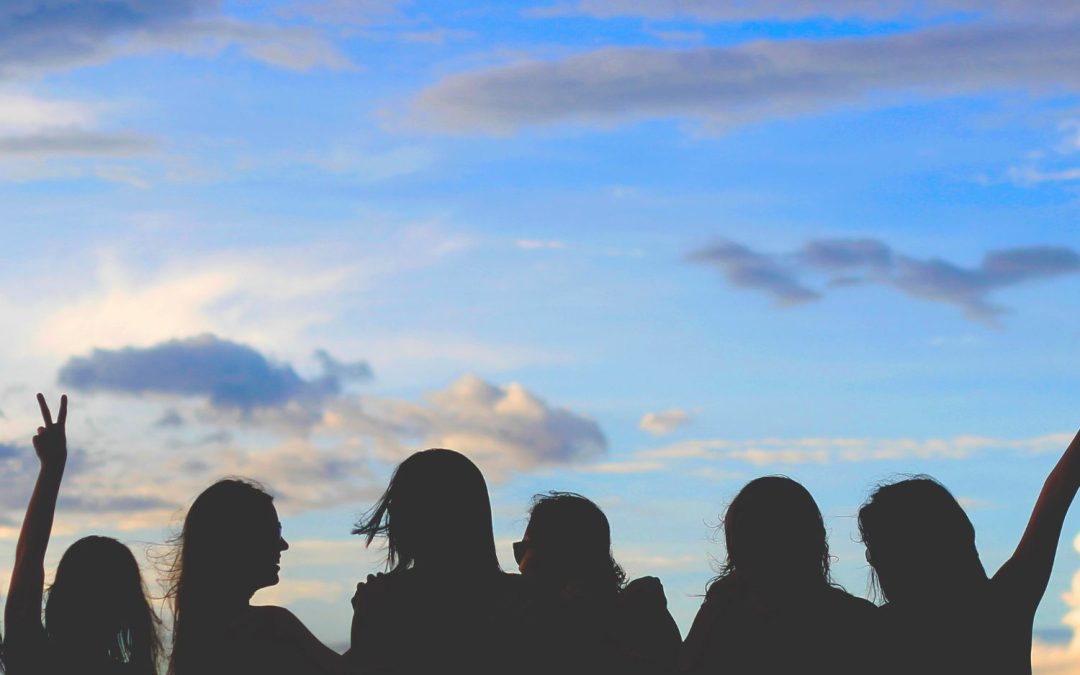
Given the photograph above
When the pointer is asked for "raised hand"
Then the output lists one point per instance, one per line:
(50, 443)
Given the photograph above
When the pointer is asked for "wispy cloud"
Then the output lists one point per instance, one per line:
(797, 10)
(767, 452)
(847, 262)
(76, 143)
(745, 268)
(55, 34)
(724, 86)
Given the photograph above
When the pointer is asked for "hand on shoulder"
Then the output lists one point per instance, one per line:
(373, 588)
(645, 591)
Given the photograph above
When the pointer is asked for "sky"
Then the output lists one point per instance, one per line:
(645, 250)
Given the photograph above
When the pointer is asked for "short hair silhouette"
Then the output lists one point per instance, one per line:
(775, 534)
(571, 540)
(97, 606)
(435, 512)
(919, 540)
(213, 564)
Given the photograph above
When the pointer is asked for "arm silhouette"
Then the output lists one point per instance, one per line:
(1026, 574)
(22, 613)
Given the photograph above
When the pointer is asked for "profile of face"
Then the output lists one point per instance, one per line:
(525, 554)
(232, 539)
(264, 546)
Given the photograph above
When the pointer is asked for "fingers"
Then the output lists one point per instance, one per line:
(61, 417)
(45, 414)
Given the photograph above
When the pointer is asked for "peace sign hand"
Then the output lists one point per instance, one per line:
(50, 443)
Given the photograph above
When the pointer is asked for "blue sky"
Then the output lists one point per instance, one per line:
(641, 249)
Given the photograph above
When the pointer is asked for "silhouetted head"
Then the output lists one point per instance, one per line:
(919, 541)
(230, 547)
(775, 536)
(568, 543)
(97, 606)
(435, 514)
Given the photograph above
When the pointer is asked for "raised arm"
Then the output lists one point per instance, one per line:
(1026, 574)
(22, 614)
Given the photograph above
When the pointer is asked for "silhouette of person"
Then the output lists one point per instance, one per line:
(444, 606)
(230, 547)
(97, 617)
(600, 624)
(774, 609)
(943, 614)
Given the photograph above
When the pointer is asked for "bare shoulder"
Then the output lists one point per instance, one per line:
(271, 621)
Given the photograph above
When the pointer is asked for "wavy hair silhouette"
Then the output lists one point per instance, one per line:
(221, 560)
(571, 542)
(901, 522)
(435, 514)
(775, 536)
(97, 606)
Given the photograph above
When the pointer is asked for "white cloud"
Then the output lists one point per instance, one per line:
(23, 112)
(1052, 659)
(534, 244)
(815, 450)
(639, 562)
(63, 139)
(288, 591)
(254, 298)
(1030, 175)
(665, 422)
(503, 429)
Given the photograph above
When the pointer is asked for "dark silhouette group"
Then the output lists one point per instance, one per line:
(445, 605)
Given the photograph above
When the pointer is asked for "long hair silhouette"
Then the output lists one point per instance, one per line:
(97, 606)
(224, 554)
(570, 539)
(775, 535)
(435, 514)
(904, 520)
(774, 607)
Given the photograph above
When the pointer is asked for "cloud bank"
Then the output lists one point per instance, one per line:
(848, 262)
